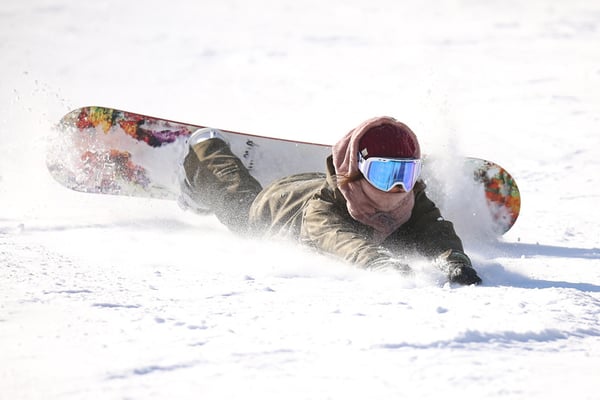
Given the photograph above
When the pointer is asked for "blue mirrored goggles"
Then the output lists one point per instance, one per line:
(387, 173)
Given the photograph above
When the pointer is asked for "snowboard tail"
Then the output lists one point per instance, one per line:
(108, 151)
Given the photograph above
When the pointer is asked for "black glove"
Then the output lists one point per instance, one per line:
(458, 267)
(390, 264)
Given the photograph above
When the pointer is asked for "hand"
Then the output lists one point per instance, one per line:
(458, 267)
(464, 275)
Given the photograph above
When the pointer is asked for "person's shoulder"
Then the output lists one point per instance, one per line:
(305, 176)
(296, 182)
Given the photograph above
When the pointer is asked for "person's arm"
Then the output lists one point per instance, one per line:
(328, 227)
(436, 239)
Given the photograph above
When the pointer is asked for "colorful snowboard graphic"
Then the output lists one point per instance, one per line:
(102, 150)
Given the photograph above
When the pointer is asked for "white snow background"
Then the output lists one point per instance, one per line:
(125, 298)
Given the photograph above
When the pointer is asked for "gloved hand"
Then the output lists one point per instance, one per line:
(391, 265)
(458, 267)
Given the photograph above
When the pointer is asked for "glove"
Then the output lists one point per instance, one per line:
(458, 267)
(390, 265)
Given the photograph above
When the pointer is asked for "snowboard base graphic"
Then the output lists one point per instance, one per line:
(107, 151)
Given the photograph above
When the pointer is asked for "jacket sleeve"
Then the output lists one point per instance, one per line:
(327, 227)
(430, 233)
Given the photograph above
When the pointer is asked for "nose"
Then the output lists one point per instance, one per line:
(397, 189)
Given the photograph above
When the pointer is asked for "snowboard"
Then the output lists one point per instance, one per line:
(108, 151)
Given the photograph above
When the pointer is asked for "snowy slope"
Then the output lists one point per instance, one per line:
(107, 297)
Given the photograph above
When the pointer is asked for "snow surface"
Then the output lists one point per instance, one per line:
(107, 297)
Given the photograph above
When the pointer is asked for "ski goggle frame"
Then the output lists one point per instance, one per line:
(387, 173)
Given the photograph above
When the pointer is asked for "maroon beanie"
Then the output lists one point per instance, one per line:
(388, 140)
(345, 151)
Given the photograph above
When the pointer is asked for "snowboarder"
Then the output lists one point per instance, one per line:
(370, 209)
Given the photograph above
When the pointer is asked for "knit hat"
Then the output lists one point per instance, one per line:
(345, 151)
(388, 140)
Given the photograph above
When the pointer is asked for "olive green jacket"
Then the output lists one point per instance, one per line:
(311, 208)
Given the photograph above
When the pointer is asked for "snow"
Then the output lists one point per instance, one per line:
(109, 297)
